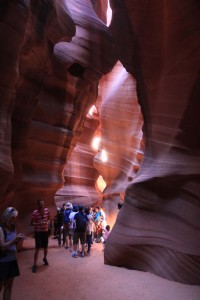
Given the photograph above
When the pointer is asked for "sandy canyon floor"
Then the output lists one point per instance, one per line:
(88, 278)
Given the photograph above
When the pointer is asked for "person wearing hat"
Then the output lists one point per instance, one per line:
(66, 225)
(40, 220)
(72, 226)
(81, 221)
(8, 252)
(58, 223)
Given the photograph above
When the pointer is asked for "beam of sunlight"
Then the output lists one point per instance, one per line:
(101, 184)
(96, 142)
(104, 156)
(109, 14)
(91, 110)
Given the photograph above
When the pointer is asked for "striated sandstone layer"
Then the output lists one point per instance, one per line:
(53, 55)
(158, 228)
(13, 20)
(121, 134)
(80, 176)
(62, 52)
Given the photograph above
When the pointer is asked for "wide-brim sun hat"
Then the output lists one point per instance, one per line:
(8, 213)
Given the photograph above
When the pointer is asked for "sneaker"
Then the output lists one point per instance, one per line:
(74, 255)
(66, 247)
(82, 254)
(34, 269)
(45, 261)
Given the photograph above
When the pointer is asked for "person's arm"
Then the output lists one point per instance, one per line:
(4, 245)
(32, 221)
(49, 215)
(74, 221)
(1, 239)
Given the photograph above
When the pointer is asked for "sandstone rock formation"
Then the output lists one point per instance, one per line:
(57, 59)
(157, 229)
(79, 174)
(121, 134)
(55, 84)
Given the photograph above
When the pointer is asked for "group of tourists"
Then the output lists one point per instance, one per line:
(75, 227)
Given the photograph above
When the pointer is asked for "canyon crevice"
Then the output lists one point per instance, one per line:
(140, 76)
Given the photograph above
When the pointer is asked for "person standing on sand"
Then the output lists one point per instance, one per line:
(81, 221)
(66, 225)
(89, 229)
(40, 219)
(8, 259)
(72, 226)
(105, 234)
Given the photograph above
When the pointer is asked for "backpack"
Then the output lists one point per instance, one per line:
(66, 216)
(81, 222)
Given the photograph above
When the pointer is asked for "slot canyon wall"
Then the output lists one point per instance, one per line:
(52, 57)
(57, 59)
(157, 229)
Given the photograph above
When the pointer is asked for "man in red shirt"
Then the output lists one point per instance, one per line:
(40, 219)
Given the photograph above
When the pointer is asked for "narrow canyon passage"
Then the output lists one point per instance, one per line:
(135, 64)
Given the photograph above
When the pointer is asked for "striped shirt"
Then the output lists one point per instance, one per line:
(40, 219)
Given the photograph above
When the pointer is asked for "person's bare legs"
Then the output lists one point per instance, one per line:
(82, 249)
(70, 243)
(36, 256)
(8, 283)
(34, 267)
(45, 252)
(64, 235)
(67, 241)
(75, 254)
(45, 257)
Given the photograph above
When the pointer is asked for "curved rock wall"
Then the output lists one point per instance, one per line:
(35, 150)
(158, 228)
(52, 56)
(61, 55)
(121, 129)
(121, 133)
(13, 20)
(79, 174)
